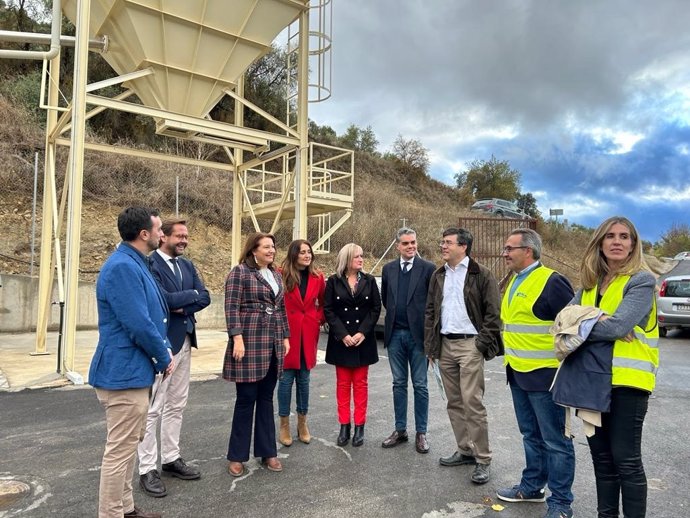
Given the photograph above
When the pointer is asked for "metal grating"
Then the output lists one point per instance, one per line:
(489, 237)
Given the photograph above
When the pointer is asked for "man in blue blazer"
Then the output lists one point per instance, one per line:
(404, 286)
(132, 347)
(185, 294)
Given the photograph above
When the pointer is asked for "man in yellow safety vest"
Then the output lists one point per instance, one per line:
(532, 299)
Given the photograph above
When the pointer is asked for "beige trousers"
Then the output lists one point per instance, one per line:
(462, 371)
(167, 407)
(125, 413)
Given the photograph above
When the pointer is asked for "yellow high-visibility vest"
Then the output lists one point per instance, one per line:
(528, 343)
(634, 363)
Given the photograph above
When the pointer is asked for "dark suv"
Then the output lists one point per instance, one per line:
(499, 207)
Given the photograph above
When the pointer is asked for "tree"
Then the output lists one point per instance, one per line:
(411, 154)
(367, 140)
(492, 179)
(675, 240)
(322, 134)
(528, 203)
(359, 139)
(265, 85)
(350, 138)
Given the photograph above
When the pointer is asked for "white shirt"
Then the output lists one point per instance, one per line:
(454, 317)
(168, 261)
(270, 278)
(408, 261)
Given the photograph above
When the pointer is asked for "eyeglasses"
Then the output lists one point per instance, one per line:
(508, 249)
(448, 243)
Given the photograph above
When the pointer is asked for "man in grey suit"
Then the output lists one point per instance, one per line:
(404, 286)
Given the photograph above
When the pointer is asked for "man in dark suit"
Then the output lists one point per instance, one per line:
(185, 294)
(404, 287)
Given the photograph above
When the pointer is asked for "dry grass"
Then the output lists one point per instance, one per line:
(385, 199)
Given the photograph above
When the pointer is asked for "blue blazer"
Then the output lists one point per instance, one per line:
(415, 303)
(132, 324)
(191, 297)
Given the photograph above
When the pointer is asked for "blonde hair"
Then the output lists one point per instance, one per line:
(594, 266)
(345, 257)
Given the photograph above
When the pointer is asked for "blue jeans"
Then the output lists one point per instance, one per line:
(285, 391)
(402, 351)
(549, 455)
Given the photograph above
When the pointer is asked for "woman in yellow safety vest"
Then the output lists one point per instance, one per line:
(616, 278)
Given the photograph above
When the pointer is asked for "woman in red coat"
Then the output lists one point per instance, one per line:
(304, 292)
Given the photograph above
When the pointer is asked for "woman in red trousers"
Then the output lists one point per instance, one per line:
(352, 307)
(304, 292)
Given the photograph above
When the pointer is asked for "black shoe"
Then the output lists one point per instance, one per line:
(457, 459)
(394, 439)
(344, 435)
(139, 513)
(152, 484)
(481, 474)
(358, 437)
(180, 469)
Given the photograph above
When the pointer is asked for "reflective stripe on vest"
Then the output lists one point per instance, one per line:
(523, 328)
(528, 343)
(635, 363)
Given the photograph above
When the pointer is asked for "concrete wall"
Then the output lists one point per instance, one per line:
(19, 299)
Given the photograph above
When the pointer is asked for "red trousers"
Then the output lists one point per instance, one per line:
(352, 381)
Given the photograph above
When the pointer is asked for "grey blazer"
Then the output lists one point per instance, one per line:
(634, 309)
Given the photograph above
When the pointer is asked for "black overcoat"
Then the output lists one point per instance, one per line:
(348, 314)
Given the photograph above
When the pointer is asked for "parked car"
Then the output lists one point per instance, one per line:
(499, 207)
(673, 303)
(683, 256)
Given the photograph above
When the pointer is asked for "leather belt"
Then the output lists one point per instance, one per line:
(257, 307)
(458, 336)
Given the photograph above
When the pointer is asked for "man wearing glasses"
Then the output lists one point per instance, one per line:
(185, 294)
(461, 331)
(532, 299)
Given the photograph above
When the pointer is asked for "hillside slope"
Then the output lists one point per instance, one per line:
(385, 197)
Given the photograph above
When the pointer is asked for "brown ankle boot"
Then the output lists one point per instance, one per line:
(284, 435)
(303, 429)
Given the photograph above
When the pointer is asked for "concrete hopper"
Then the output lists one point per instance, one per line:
(196, 48)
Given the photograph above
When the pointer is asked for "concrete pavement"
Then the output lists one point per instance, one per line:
(52, 440)
(19, 369)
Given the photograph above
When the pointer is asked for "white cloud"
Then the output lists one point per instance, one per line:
(652, 194)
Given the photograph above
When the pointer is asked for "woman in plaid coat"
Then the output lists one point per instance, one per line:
(258, 330)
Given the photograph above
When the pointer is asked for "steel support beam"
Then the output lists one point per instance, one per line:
(49, 213)
(76, 180)
(299, 229)
(237, 187)
(201, 125)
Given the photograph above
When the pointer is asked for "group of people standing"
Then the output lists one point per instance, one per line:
(453, 317)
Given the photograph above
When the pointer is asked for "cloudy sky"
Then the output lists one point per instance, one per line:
(588, 99)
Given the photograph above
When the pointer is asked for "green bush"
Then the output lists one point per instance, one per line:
(24, 90)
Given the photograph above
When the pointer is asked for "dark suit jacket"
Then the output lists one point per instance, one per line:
(416, 297)
(255, 312)
(191, 297)
(348, 314)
